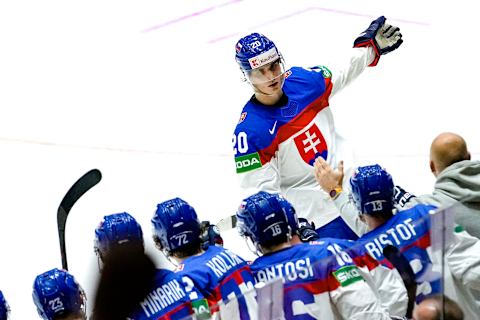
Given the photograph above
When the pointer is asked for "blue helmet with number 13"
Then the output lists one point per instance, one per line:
(372, 190)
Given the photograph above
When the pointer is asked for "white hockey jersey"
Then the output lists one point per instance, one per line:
(275, 146)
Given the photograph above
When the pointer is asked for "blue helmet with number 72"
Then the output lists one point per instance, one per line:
(372, 190)
(176, 225)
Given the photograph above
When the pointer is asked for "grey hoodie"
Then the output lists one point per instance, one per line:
(459, 182)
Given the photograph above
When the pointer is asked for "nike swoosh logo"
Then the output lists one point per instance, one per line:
(273, 129)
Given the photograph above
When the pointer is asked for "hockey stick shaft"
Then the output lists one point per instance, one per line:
(227, 223)
(398, 260)
(76, 191)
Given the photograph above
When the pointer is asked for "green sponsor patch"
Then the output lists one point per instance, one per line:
(325, 72)
(458, 229)
(201, 309)
(347, 275)
(248, 162)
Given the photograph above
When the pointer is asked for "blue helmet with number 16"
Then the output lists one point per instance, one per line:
(372, 190)
(263, 218)
(56, 293)
(176, 225)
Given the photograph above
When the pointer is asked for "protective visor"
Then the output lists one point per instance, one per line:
(270, 72)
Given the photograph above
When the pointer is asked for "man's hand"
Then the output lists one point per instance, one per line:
(328, 178)
(383, 37)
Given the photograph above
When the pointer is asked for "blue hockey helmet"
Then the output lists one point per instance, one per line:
(4, 308)
(263, 218)
(290, 212)
(116, 229)
(176, 225)
(56, 292)
(372, 189)
(256, 51)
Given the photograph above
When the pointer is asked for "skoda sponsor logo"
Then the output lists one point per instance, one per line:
(347, 275)
(248, 162)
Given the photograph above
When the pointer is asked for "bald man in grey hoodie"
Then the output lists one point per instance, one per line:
(457, 179)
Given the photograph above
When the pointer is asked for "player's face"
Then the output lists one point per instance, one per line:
(269, 78)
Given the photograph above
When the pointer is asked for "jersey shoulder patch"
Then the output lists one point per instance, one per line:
(326, 73)
(248, 162)
(347, 275)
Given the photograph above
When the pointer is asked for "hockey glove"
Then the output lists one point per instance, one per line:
(401, 197)
(383, 37)
(306, 231)
(210, 235)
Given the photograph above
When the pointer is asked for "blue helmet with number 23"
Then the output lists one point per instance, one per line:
(372, 190)
(57, 293)
(176, 225)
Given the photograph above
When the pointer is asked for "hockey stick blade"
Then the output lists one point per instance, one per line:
(227, 223)
(76, 191)
(398, 260)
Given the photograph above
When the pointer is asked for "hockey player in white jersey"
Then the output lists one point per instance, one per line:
(287, 123)
(318, 282)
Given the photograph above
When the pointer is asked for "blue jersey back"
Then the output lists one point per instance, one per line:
(310, 270)
(356, 253)
(409, 231)
(220, 276)
(168, 300)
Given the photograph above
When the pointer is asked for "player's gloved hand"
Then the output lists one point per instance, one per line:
(401, 197)
(383, 37)
(210, 235)
(306, 230)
